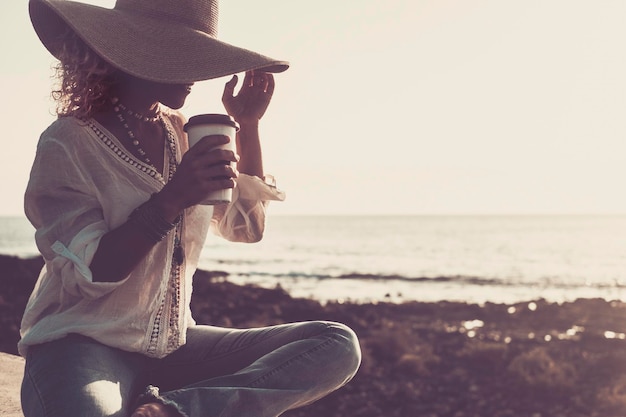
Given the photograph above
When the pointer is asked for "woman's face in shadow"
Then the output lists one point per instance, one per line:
(171, 95)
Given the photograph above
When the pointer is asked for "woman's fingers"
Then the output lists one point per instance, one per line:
(229, 89)
(211, 150)
(248, 79)
(212, 141)
(270, 84)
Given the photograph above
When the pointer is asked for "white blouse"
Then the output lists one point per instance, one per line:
(83, 184)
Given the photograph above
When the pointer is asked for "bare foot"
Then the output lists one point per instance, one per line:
(154, 410)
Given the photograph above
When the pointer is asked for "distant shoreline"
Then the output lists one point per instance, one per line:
(477, 258)
(365, 288)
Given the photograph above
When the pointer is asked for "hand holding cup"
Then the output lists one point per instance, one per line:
(213, 135)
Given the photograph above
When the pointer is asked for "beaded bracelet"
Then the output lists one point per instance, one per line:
(150, 220)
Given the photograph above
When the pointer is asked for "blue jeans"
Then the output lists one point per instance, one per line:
(219, 372)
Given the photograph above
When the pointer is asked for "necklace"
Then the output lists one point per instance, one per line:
(139, 116)
(131, 135)
(169, 136)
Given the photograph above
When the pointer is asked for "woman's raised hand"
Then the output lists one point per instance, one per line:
(253, 98)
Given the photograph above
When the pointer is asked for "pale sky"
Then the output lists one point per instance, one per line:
(401, 106)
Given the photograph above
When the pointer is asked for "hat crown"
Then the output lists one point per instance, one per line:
(200, 15)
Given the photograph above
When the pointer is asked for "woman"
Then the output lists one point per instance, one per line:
(113, 196)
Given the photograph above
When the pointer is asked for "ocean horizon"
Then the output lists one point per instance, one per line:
(471, 258)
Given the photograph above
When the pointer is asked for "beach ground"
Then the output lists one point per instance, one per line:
(443, 359)
(11, 371)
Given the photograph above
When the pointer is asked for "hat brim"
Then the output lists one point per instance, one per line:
(145, 47)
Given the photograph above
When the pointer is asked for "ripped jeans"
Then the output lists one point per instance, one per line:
(219, 372)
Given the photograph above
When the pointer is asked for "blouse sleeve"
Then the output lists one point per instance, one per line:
(243, 220)
(61, 203)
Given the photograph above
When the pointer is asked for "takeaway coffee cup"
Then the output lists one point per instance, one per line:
(213, 124)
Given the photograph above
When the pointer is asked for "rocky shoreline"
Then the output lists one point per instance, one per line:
(534, 359)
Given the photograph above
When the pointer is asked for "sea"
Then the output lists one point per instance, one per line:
(475, 259)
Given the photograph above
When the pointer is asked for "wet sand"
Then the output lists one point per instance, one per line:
(534, 359)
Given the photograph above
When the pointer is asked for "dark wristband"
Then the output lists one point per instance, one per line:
(149, 218)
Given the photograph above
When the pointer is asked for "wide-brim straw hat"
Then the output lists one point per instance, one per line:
(169, 41)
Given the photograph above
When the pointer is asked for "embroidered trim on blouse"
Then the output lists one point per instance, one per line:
(123, 154)
(170, 305)
(172, 300)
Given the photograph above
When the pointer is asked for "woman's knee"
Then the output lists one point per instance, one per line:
(78, 376)
(97, 398)
(348, 351)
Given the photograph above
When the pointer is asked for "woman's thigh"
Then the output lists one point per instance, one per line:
(78, 376)
(215, 351)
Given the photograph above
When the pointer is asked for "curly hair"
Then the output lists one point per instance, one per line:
(84, 79)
